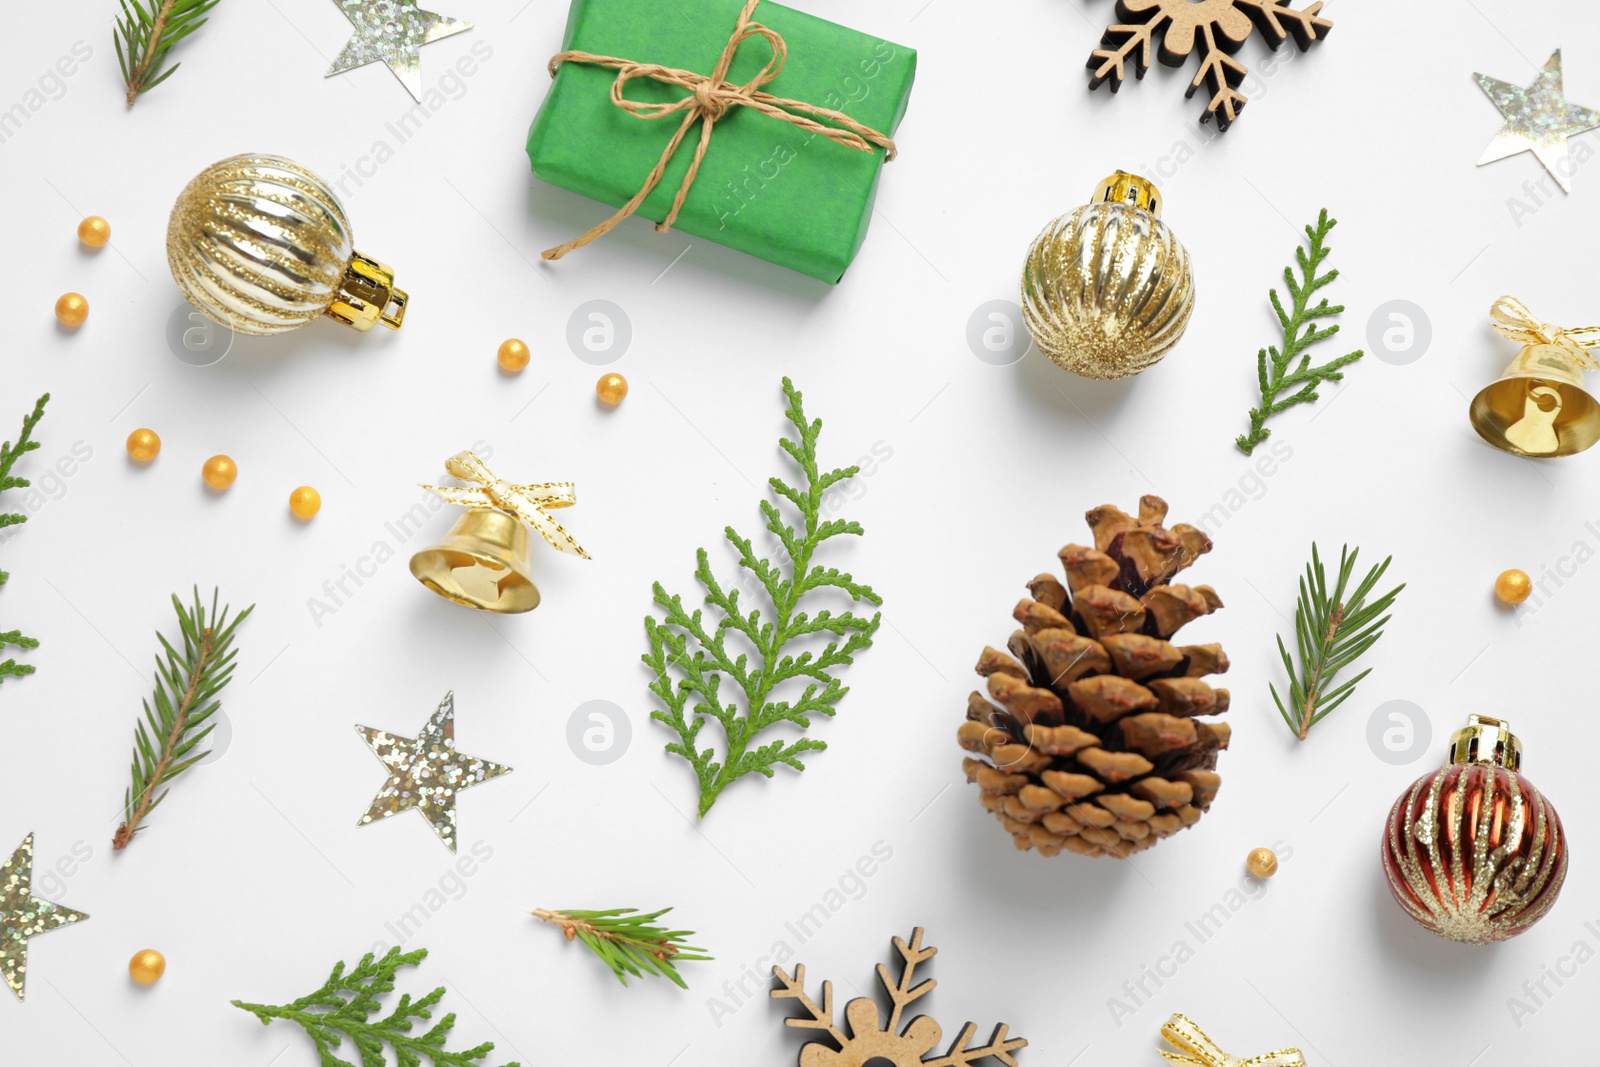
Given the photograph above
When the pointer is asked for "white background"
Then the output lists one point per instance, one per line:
(254, 877)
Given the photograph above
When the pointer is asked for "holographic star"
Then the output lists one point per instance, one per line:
(23, 915)
(1538, 119)
(392, 32)
(426, 773)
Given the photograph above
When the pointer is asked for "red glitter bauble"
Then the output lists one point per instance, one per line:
(1474, 852)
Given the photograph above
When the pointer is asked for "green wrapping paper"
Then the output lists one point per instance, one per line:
(765, 187)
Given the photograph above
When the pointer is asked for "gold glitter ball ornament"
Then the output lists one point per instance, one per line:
(261, 245)
(219, 472)
(1513, 586)
(147, 966)
(304, 503)
(144, 445)
(1108, 289)
(1262, 863)
(611, 389)
(94, 232)
(72, 310)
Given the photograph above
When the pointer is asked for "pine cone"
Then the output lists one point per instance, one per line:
(1096, 746)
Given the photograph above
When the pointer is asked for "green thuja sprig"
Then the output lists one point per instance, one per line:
(1274, 368)
(145, 34)
(343, 1007)
(167, 739)
(628, 941)
(9, 454)
(684, 643)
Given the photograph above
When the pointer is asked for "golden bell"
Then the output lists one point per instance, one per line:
(1538, 407)
(482, 563)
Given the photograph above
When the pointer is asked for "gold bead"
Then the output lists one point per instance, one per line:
(94, 231)
(304, 503)
(611, 388)
(71, 310)
(514, 356)
(144, 445)
(1262, 862)
(146, 966)
(1513, 586)
(219, 472)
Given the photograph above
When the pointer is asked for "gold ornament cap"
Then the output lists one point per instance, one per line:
(1130, 189)
(1486, 740)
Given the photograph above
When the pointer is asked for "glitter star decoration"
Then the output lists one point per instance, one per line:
(1539, 119)
(23, 915)
(426, 772)
(392, 32)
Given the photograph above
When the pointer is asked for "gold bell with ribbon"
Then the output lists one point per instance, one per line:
(1539, 407)
(483, 562)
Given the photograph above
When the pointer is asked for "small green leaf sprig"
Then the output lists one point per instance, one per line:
(343, 1008)
(145, 34)
(9, 454)
(683, 641)
(628, 941)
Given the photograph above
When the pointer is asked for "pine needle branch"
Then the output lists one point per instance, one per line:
(627, 941)
(9, 454)
(167, 739)
(1332, 630)
(1276, 372)
(342, 1007)
(684, 643)
(146, 32)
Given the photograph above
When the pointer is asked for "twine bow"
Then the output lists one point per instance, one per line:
(1203, 1052)
(711, 97)
(526, 502)
(1515, 322)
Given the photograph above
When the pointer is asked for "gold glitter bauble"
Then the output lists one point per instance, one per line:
(514, 356)
(144, 445)
(1262, 862)
(72, 310)
(304, 503)
(94, 231)
(261, 245)
(147, 966)
(1513, 586)
(611, 388)
(219, 472)
(1108, 289)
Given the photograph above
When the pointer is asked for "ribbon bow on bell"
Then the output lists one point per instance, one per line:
(526, 502)
(1515, 322)
(1203, 1052)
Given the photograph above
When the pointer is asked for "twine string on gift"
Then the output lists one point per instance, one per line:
(1515, 322)
(1182, 1033)
(711, 97)
(526, 502)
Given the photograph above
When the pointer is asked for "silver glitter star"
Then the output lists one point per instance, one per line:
(23, 915)
(1538, 119)
(425, 772)
(393, 32)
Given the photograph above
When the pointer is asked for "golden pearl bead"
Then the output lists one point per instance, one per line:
(1262, 862)
(1513, 586)
(144, 445)
(514, 356)
(146, 966)
(94, 231)
(304, 503)
(611, 388)
(72, 310)
(219, 472)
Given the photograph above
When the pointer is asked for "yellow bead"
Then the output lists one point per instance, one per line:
(304, 503)
(144, 445)
(1513, 586)
(146, 966)
(1262, 862)
(219, 472)
(611, 388)
(72, 310)
(514, 356)
(94, 231)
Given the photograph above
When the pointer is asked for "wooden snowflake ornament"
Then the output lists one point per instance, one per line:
(872, 1040)
(1219, 27)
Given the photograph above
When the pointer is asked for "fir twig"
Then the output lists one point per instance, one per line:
(627, 941)
(1332, 631)
(9, 454)
(683, 641)
(1273, 367)
(187, 683)
(146, 32)
(342, 1007)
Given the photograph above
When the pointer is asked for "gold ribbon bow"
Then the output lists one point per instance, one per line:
(1515, 322)
(1203, 1052)
(526, 502)
(710, 98)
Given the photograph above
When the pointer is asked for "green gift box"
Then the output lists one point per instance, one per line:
(769, 187)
